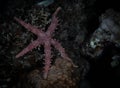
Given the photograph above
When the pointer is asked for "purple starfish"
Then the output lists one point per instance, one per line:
(45, 39)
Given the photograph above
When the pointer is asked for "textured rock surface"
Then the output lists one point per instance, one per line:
(107, 32)
(61, 75)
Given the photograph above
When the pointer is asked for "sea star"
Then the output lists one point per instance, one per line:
(45, 39)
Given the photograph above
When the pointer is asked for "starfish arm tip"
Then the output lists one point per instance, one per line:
(17, 56)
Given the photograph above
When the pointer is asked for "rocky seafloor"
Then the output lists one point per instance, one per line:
(89, 34)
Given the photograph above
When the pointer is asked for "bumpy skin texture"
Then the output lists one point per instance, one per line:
(45, 39)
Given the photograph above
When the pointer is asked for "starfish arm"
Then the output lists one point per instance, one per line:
(29, 27)
(54, 22)
(32, 45)
(47, 50)
(58, 46)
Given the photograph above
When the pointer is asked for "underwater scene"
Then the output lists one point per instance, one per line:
(59, 44)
